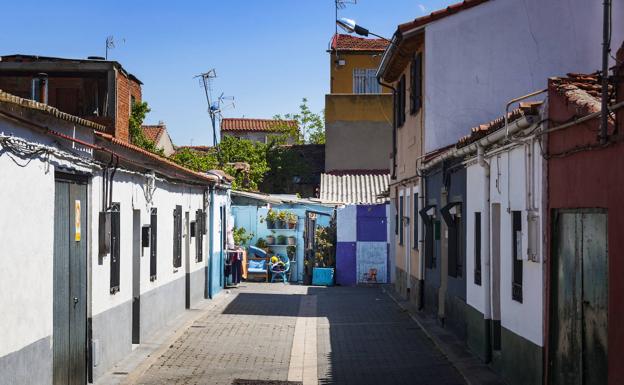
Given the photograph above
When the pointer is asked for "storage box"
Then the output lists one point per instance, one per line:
(323, 276)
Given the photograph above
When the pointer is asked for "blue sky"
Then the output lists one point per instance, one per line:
(268, 54)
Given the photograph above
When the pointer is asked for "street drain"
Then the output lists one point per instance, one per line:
(198, 326)
(239, 381)
(120, 373)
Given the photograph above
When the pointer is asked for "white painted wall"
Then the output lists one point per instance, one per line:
(128, 190)
(27, 238)
(480, 58)
(507, 187)
(346, 224)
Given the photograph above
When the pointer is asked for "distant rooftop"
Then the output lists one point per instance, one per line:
(259, 125)
(343, 42)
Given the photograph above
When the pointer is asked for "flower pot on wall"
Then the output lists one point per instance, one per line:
(270, 240)
(281, 239)
(270, 224)
(279, 224)
(292, 241)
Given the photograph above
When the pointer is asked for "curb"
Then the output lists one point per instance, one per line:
(434, 339)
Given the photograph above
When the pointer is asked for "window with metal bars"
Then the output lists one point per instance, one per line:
(516, 255)
(365, 81)
(177, 236)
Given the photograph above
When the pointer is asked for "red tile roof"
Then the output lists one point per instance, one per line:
(259, 125)
(439, 14)
(583, 90)
(343, 42)
(154, 132)
(482, 130)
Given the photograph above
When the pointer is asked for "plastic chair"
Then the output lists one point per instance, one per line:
(281, 274)
(258, 264)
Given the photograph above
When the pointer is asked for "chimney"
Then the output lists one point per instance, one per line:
(39, 92)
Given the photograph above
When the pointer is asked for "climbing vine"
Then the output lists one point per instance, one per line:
(137, 136)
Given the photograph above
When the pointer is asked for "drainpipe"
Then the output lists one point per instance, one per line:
(421, 248)
(606, 42)
(485, 273)
(394, 134)
(210, 242)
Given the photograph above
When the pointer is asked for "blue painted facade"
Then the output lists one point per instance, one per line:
(251, 218)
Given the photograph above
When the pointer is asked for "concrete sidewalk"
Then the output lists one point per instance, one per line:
(288, 334)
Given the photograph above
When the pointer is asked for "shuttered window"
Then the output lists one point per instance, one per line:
(477, 248)
(399, 103)
(199, 235)
(115, 248)
(416, 84)
(516, 254)
(153, 238)
(365, 81)
(177, 237)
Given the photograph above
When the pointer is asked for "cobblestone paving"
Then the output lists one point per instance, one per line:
(362, 338)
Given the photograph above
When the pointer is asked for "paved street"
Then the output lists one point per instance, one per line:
(271, 334)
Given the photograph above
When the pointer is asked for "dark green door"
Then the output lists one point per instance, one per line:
(70, 281)
(578, 329)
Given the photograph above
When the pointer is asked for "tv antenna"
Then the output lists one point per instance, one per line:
(215, 105)
(110, 44)
(341, 4)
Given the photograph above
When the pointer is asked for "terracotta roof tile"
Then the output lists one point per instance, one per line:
(583, 90)
(439, 14)
(343, 42)
(260, 125)
(154, 132)
(33, 105)
(482, 130)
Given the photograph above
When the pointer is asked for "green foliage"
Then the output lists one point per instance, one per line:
(326, 245)
(310, 126)
(241, 238)
(137, 136)
(195, 160)
(232, 150)
(261, 243)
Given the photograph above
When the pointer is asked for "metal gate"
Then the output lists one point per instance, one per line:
(578, 328)
(70, 280)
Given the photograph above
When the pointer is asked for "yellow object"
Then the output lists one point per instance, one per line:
(274, 259)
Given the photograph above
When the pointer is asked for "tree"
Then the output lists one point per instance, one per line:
(137, 136)
(310, 127)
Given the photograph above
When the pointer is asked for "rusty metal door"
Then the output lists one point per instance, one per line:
(578, 328)
(69, 323)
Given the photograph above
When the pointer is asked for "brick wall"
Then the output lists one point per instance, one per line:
(126, 88)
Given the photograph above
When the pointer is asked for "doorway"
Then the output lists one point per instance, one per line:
(69, 323)
(136, 276)
(579, 298)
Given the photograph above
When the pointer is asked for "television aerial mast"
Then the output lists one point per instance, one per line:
(215, 105)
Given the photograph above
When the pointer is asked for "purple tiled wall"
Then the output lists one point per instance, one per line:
(345, 264)
(371, 211)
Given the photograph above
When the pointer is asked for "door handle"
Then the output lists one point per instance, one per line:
(75, 301)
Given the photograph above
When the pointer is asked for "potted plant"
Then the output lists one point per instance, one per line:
(281, 239)
(291, 252)
(261, 243)
(292, 240)
(271, 218)
(292, 220)
(241, 238)
(270, 239)
(280, 223)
